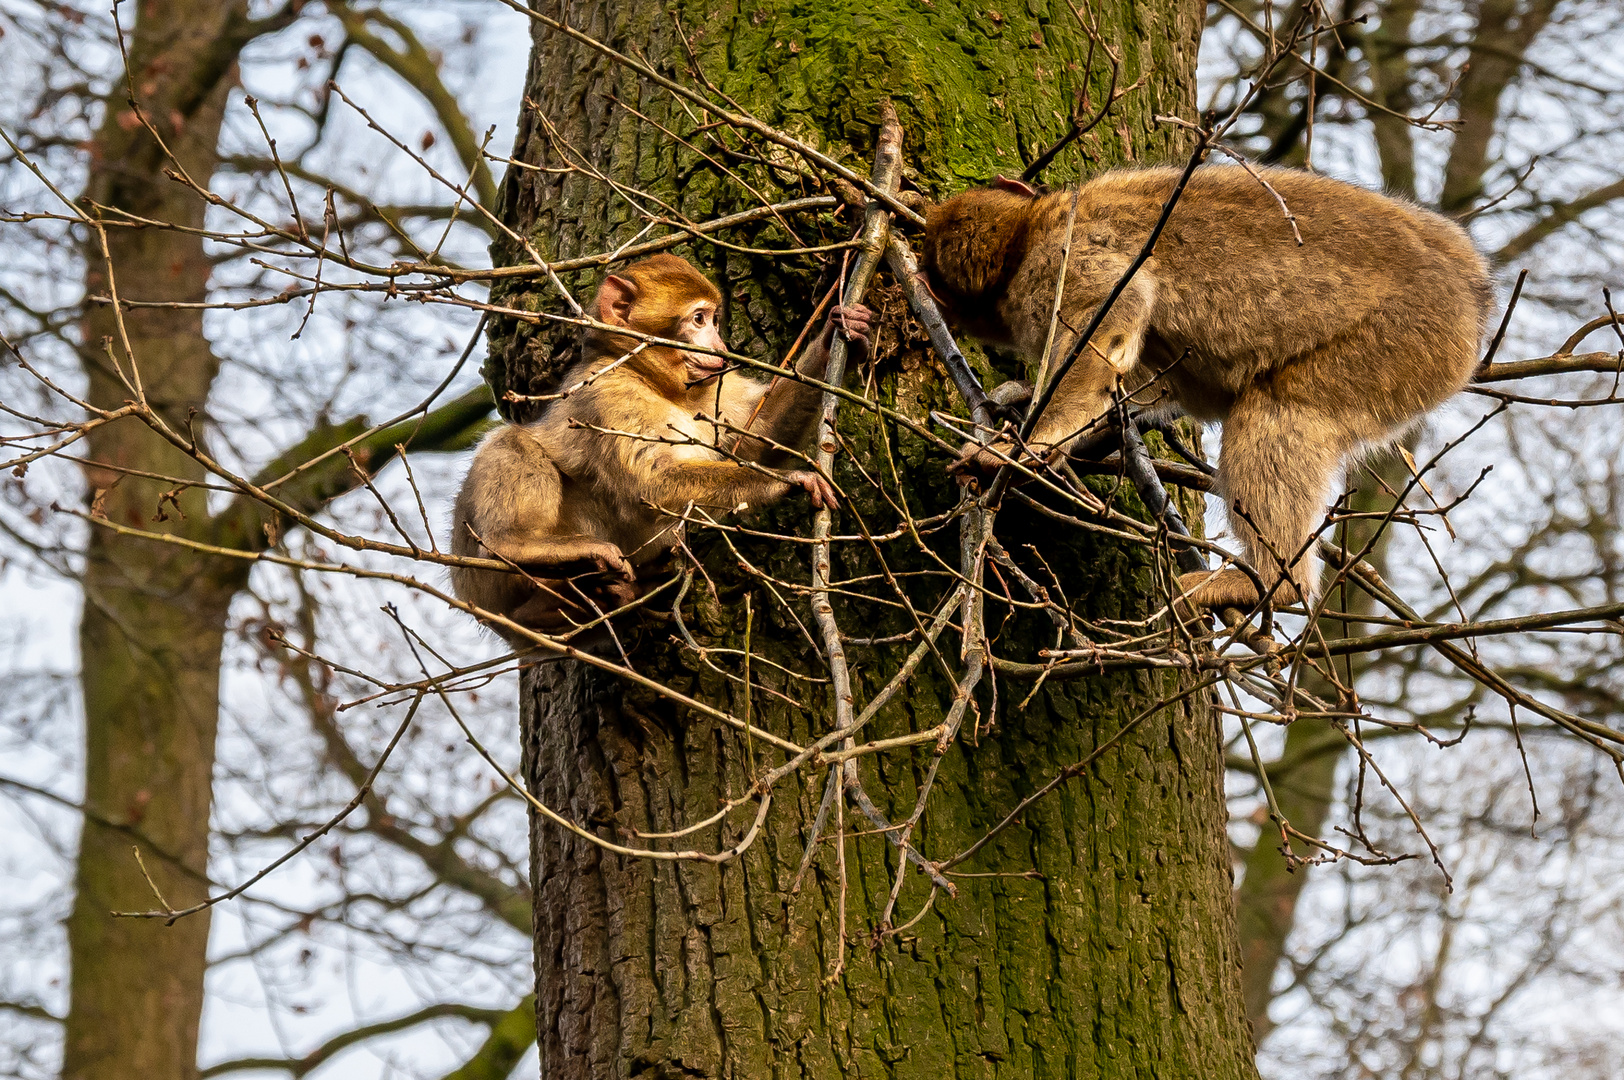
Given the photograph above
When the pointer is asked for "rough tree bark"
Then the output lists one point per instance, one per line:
(1118, 957)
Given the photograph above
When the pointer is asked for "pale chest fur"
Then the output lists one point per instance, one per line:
(611, 458)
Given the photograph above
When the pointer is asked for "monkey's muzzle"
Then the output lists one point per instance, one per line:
(704, 368)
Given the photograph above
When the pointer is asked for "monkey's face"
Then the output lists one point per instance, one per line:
(697, 326)
(663, 297)
(973, 244)
(975, 316)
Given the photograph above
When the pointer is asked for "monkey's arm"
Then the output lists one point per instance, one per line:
(789, 410)
(542, 555)
(1113, 350)
(1082, 398)
(1084, 395)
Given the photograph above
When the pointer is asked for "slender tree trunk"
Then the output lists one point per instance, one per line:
(1098, 938)
(1390, 76)
(1304, 781)
(1304, 775)
(154, 617)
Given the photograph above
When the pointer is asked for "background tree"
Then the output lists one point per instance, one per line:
(155, 137)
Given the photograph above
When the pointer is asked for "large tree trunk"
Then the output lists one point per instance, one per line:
(154, 616)
(1098, 938)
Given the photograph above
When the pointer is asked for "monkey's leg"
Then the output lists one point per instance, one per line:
(1278, 465)
(561, 556)
(726, 484)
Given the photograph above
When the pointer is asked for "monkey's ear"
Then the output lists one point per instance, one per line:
(1019, 187)
(615, 298)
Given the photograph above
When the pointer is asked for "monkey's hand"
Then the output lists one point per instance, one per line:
(852, 322)
(1009, 398)
(976, 462)
(821, 492)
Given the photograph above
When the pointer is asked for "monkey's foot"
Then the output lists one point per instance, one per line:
(1207, 589)
(977, 461)
(1196, 619)
(1246, 634)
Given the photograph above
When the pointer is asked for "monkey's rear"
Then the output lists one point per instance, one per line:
(1307, 353)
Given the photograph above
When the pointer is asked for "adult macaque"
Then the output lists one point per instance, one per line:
(590, 488)
(1308, 354)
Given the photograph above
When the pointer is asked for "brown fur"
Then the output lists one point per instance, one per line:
(1307, 354)
(559, 500)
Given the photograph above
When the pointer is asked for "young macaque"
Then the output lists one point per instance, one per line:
(584, 496)
(1308, 354)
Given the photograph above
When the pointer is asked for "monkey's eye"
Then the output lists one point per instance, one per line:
(699, 317)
